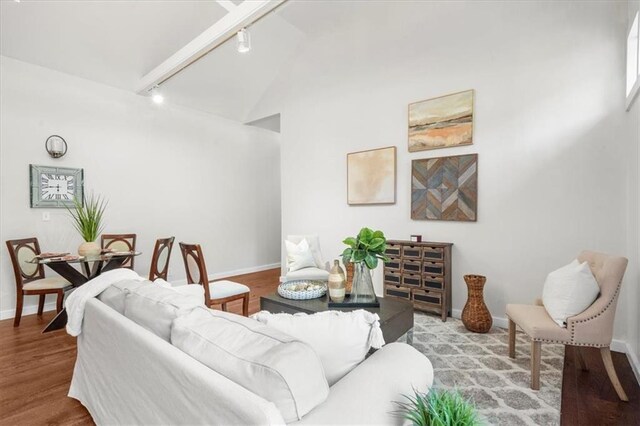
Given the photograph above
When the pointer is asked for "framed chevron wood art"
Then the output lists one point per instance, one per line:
(445, 188)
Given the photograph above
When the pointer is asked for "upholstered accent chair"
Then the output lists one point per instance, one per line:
(215, 292)
(319, 272)
(30, 279)
(591, 328)
(120, 242)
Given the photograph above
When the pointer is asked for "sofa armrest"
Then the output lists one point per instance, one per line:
(366, 395)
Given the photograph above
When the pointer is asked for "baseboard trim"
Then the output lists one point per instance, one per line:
(497, 321)
(232, 273)
(27, 310)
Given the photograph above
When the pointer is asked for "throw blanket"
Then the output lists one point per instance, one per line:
(77, 300)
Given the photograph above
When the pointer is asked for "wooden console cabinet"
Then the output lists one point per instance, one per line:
(421, 273)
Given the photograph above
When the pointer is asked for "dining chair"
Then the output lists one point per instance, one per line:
(215, 292)
(591, 328)
(120, 242)
(160, 259)
(30, 278)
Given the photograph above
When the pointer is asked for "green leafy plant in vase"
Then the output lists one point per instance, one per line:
(439, 408)
(87, 218)
(364, 251)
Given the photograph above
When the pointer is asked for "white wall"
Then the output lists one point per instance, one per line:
(165, 171)
(550, 130)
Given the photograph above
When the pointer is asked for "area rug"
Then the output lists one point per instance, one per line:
(477, 365)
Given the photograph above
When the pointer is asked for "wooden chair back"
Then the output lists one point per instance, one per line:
(20, 252)
(195, 267)
(160, 259)
(120, 242)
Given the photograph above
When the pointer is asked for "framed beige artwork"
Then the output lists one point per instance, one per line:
(441, 122)
(371, 176)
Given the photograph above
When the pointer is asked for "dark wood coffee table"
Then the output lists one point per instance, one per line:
(396, 317)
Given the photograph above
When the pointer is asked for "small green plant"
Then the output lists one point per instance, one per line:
(87, 216)
(367, 247)
(439, 408)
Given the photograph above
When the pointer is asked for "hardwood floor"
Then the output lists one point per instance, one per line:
(588, 398)
(35, 372)
(36, 368)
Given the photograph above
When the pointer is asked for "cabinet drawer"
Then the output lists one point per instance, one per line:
(433, 268)
(393, 250)
(432, 282)
(411, 280)
(397, 292)
(412, 252)
(428, 298)
(391, 278)
(432, 253)
(412, 266)
(393, 265)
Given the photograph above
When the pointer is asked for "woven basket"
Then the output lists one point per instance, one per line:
(475, 315)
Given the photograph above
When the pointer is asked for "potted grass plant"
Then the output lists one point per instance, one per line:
(439, 408)
(364, 251)
(87, 218)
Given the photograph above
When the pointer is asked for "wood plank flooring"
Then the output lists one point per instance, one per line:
(36, 368)
(35, 372)
(588, 398)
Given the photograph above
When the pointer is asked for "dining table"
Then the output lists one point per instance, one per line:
(90, 267)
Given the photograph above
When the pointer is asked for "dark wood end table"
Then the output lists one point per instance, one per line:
(396, 316)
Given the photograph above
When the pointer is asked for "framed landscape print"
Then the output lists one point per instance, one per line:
(55, 187)
(441, 122)
(371, 176)
(445, 188)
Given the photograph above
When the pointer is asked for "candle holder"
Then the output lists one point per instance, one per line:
(56, 146)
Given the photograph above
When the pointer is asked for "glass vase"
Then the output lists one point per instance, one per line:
(362, 289)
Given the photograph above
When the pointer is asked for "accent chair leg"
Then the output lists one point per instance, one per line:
(245, 305)
(512, 339)
(535, 364)
(60, 301)
(578, 351)
(16, 319)
(611, 371)
(41, 304)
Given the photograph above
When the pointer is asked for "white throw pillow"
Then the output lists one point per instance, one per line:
(155, 307)
(314, 245)
(267, 362)
(341, 339)
(569, 291)
(299, 256)
(114, 295)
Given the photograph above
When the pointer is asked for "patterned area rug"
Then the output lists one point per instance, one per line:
(478, 366)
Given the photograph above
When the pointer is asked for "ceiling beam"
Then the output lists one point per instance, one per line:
(227, 4)
(241, 16)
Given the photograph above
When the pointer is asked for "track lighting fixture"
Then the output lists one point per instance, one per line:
(244, 41)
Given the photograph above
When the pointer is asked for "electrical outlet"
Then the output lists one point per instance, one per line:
(46, 216)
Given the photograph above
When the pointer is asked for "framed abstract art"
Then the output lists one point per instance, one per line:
(371, 176)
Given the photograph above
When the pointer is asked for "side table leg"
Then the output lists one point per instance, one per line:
(410, 336)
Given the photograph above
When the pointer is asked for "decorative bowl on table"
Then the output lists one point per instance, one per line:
(302, 289)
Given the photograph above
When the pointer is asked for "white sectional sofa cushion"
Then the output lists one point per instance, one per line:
(154, 307)
(113, 296)
(341, 339)
(269, 363)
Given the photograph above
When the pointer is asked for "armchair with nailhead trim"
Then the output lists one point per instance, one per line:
(592, 327)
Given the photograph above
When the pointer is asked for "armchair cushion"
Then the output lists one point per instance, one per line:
(299, 255)
(536, 322)
(569, 291)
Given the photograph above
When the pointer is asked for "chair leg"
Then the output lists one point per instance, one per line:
(245, 305)
(535, 364)
(41, 305)
(19, 299)
(512, 339)
(611, 371)
(60, 301)
(577, 350)
(224, 307)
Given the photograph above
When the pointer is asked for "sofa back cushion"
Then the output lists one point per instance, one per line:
(155, 307)
(269, 363)
(114, 295)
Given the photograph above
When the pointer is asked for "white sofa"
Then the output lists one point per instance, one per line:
(125, 374)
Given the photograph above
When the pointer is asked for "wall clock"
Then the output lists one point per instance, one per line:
(55, 187)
